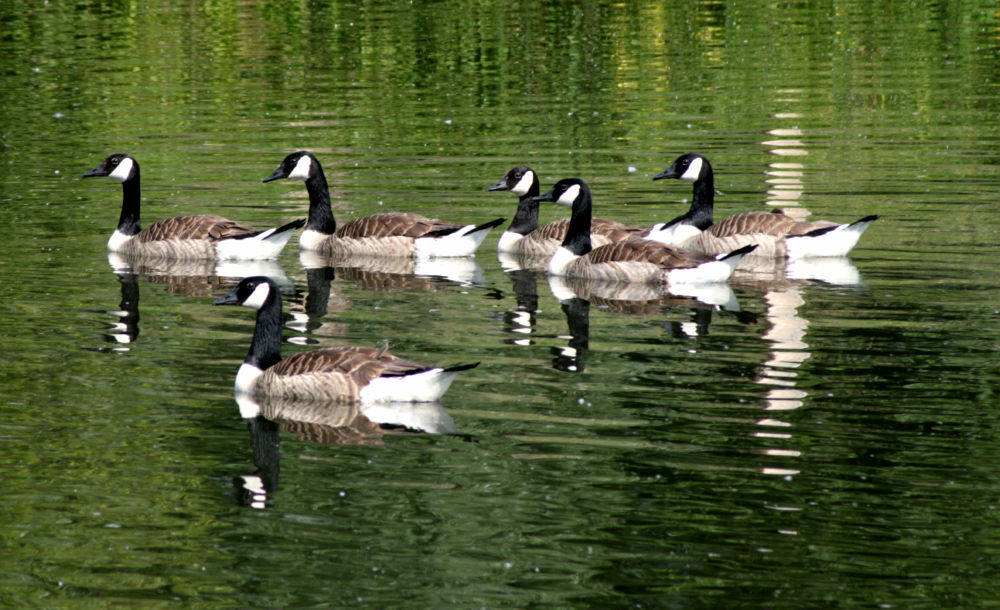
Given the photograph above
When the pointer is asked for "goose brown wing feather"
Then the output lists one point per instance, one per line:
(201, 226)
(392, 224)
(764, 223)
(646, 251)
(767, 223)
(362, 364)
(613, 231)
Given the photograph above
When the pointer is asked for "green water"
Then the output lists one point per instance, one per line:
(826, 443)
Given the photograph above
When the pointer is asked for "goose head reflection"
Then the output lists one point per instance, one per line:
(125, 328)
(182, 278)
(520, 321)
(569, 358)
(326, 422)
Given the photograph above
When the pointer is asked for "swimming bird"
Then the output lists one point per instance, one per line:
(387, 234)
(633, 260)
(525, 238)
(202, 236)
(370, 375)
(775, 233)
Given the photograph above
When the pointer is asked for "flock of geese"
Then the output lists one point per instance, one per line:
(689, 250)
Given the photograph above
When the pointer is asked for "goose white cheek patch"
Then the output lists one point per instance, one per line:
(569, 195)
(258, 296)
(302, 167)
(523, 184)
(123, 170)
(693, 171)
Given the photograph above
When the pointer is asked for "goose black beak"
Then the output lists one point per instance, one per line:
(501, 185)
(277, 175)
(670, 172)
(550, 196)
(229, 299)
(97, 171)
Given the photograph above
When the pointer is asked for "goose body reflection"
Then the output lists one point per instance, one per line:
(326, 422)
(366, 374)
(637, 297)
(771, 272)
(775, 233)
(202, 236)
(396, 272)
(631, 260)
(353, 419)
(196, 277)
(388, 234)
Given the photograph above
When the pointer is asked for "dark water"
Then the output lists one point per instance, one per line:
(830, 440)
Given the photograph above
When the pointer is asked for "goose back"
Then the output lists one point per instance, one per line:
(331, 374)
(394, 224)
(191, 237)
(768, 230)
(634, 260)
(545, 240)
(386, 234)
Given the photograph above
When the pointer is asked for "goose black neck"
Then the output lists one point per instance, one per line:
(577, 238)
(265, 348)
(128, 221)
(703, 201)
(526, 219)
(320, 210)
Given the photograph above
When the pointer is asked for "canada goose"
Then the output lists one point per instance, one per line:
(776, 233)
(633, 260)
(387, 234)
(525, 238)
(346, 373)
(203, 236)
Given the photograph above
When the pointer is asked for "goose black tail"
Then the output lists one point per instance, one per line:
(866, 219)
(291, 226)
(450, 369)
(739, 252)
(489, 225)
(476, 229)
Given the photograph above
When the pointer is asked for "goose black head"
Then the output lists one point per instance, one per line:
(689, 166)
(118, 166)
(519, 180)
(299, 165)
(567, 191)
(251, 292)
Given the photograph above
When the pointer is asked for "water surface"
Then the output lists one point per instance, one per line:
(828, 437)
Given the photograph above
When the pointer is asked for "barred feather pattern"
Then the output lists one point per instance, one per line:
(634, 260)
(366, 246)
(200, 226)
(765, 223)
(184, 237)
(332, 374)
(392, 224)
(765, 229)
(378, 235)
(544, 241)
(609, 230)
